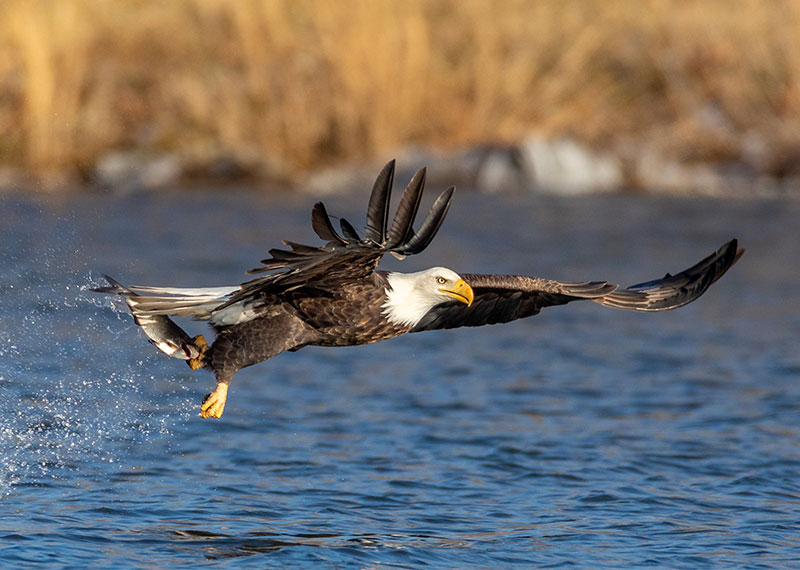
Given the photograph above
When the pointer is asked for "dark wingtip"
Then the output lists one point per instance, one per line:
(378, 208)
(321, 224)
(114, 287)
(403, 224)
(349, 231)
(728, 255)
(431, 224)
(677, 290)
(734, 243)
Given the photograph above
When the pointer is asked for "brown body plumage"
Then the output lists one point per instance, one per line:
(333, 295)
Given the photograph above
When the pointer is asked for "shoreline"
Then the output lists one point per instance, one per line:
(560, 166)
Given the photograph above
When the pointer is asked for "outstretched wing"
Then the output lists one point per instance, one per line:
(677, 290)
(347, 256)
(504, 298)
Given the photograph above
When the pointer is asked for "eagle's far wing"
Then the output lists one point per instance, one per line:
(347, 256)
(504, 298)
(673, 291)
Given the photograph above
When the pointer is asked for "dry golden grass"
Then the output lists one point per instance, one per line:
(311, 82)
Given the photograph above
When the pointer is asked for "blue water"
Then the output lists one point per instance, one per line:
(581, 437)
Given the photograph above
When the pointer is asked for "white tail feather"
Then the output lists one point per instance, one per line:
(196, 302)
(210, 292)
(200, 303)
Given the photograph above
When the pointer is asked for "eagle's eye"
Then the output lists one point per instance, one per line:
(441, 280)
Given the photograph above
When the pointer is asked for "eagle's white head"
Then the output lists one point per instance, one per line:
(410, 296)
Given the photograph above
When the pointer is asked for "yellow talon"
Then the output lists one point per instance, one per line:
(214, 404)
(200, 342)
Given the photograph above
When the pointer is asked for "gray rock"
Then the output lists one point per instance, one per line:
(501, 170)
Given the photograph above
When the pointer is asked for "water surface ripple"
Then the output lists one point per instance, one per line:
(582, 437)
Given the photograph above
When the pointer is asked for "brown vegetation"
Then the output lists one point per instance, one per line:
(310, 82)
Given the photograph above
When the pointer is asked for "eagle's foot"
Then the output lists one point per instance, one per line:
(214, 403)
(200, 360)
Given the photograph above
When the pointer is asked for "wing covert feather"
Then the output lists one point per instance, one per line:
(504, 298)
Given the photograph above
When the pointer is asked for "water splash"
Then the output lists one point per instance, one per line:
(60, 414)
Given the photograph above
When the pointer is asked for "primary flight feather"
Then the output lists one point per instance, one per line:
(335, 295)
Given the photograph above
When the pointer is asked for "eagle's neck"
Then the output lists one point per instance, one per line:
(406, 303)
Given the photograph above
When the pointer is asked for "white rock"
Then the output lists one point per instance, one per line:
(128, 171)
(563, 166)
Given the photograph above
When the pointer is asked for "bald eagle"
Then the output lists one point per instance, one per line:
(334, 294)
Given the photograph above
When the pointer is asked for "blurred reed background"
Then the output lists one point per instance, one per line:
(309, 83)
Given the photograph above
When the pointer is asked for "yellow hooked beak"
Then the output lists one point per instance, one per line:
(460, 292)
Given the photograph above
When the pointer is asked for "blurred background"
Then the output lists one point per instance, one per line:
(653, 94)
